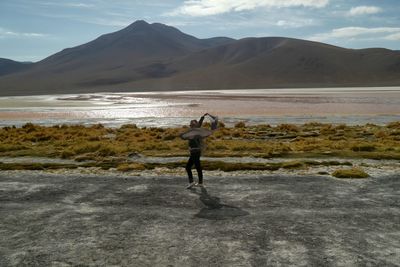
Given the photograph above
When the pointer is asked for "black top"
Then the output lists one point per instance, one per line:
(195, 143)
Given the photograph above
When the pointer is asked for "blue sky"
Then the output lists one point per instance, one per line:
(31, 30)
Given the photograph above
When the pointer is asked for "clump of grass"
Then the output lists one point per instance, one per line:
(84, 157)
(262, 128)
(97, 126)
(169, 137)
(236, 134)
(395, 124)
(288, 128)
(221, 147)
(293, 165)
(29, 127)
(109, 150)
(11, 147)
(341, 126)
(128, 126)
(381, 134)
(86, 148)
(313, 124)
(350, 173)
(336, 163)
(363, 147)
(240, 124)
(221, 124)
(65, 154)
(125, 167)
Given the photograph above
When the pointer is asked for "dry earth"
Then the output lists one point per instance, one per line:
(268, 220)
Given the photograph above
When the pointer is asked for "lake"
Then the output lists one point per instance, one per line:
(166, 109)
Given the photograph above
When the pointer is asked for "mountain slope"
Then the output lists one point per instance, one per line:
(8, 66)
(158, 57)
(110, 59)
(277, 62)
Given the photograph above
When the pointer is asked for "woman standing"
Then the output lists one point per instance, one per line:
(195, 139)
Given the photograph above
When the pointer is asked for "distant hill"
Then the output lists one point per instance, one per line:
(8, 66)
(282, 62)
(154, 56)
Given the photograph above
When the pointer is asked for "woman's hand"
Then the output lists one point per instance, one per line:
(213, 117)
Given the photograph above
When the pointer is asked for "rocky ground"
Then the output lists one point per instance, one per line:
(111, 219)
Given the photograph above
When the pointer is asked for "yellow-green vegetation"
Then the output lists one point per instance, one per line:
(97, 142)
(124, 166)
(350, 173)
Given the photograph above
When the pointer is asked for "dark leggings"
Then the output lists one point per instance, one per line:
(194, 159)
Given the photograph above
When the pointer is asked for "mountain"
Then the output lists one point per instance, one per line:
(110, 59)
(281, 62)
(135, 45)
(8, 66)
(154, 56)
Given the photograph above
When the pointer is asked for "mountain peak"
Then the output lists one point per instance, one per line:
(138, 24)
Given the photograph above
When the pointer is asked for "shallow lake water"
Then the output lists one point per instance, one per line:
(167, 109)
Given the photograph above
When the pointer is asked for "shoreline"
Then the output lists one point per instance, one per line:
(318, 167)
(183, 91)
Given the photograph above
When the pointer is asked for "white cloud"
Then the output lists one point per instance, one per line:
(78, 5)
(388, 33)
(393, 37)
(31, 34)
(11, 34)
(215, 7)
(74, 5)
(364, 10)
(295, 23)
(106, 21)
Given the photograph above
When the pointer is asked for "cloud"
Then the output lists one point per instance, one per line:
(79, 5)
(107, 21)
(388, 33)
(295, 23)
(393, 37)
(73, 5)
(213, 7)
(11, 34)
(364, 10)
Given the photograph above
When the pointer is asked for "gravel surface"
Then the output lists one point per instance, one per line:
(55, 219)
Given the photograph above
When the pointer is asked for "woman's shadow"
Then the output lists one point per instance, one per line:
(214, 209)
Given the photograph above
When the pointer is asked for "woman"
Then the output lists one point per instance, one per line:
(195, 147)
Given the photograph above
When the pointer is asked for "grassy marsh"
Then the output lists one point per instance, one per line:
(98, 143)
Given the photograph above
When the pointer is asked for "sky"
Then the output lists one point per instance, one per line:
(31, 30)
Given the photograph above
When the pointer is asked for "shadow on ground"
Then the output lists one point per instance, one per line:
(214, 209)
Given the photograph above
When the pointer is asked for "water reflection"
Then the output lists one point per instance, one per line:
(272, 106)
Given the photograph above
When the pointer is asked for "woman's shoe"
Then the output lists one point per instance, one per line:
(200, 185)
(190, 185)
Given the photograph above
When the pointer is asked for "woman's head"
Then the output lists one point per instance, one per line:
(194, 124)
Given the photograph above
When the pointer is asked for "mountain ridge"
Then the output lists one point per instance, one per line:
(8, 66)
(155, 56)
